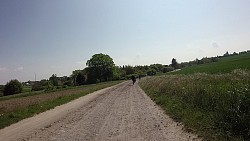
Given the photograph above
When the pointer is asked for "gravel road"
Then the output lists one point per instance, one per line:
(118, 113)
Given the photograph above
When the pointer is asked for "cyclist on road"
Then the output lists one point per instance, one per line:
(133, 79)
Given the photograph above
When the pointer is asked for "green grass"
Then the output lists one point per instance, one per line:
(215, 106)
(21, 95)
(7, 119)
(224, 65)
(26, 89)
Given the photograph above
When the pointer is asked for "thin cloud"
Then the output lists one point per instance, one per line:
(80, 62)
(215, 45)
(138, 56)
(3, 69)
(55, 67)
(19, 69)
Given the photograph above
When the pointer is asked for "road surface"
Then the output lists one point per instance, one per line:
(119, 113)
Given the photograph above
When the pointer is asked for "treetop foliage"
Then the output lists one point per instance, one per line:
(12, 87)
(100, 60)
(100, 66)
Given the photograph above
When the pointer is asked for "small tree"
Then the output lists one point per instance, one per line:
(151, 72)
(80, 79)
(13, 87)
(117, 73)
(175, 64)
(74, 75)
(226, 54)
(37, 87)
(54, 80)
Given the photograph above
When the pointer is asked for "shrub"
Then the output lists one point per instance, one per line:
(151, 72)
(37, 87)
(167, 69)
(129, 76)
(12, 87)
(49, 87)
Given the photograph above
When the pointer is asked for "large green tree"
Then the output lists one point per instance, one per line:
(100, 66)
(13, 87)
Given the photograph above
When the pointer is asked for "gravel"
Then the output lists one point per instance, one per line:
(118, 113)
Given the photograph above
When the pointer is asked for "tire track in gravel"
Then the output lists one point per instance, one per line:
(121, 113)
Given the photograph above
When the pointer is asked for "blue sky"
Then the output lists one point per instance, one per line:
(58, 36)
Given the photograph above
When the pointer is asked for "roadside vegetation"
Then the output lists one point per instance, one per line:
(17, 108)
(216, 107)
(212, 100)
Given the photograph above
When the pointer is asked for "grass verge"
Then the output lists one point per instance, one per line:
(216, 107)
(9, 118)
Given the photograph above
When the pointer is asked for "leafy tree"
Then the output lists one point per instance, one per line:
(91, 78)
(68, 82)
(13, 87)
(117, 73)
(54, 80)
(74, 75)
(37, 87)
(49, 86)
(151, 72)
(157, 67)
(101, 67)
(40, 85)
(80, 79)
(129, 70)
(226, 54)
(174, 63)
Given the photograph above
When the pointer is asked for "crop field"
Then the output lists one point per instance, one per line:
(216, 106)
(15, 108)
(224, 65)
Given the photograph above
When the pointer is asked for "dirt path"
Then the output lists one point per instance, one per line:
(122, 112)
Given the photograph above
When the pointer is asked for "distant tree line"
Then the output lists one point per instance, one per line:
(101, 68)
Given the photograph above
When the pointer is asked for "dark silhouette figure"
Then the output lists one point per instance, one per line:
(133, 79)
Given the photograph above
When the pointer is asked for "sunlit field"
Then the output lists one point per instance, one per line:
(224, 65)
(216, 106)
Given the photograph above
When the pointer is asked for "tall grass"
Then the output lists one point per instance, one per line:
(216, 107)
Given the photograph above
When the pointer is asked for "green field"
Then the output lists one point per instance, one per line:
(224, 65)
(215, 106)
(212, 100)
